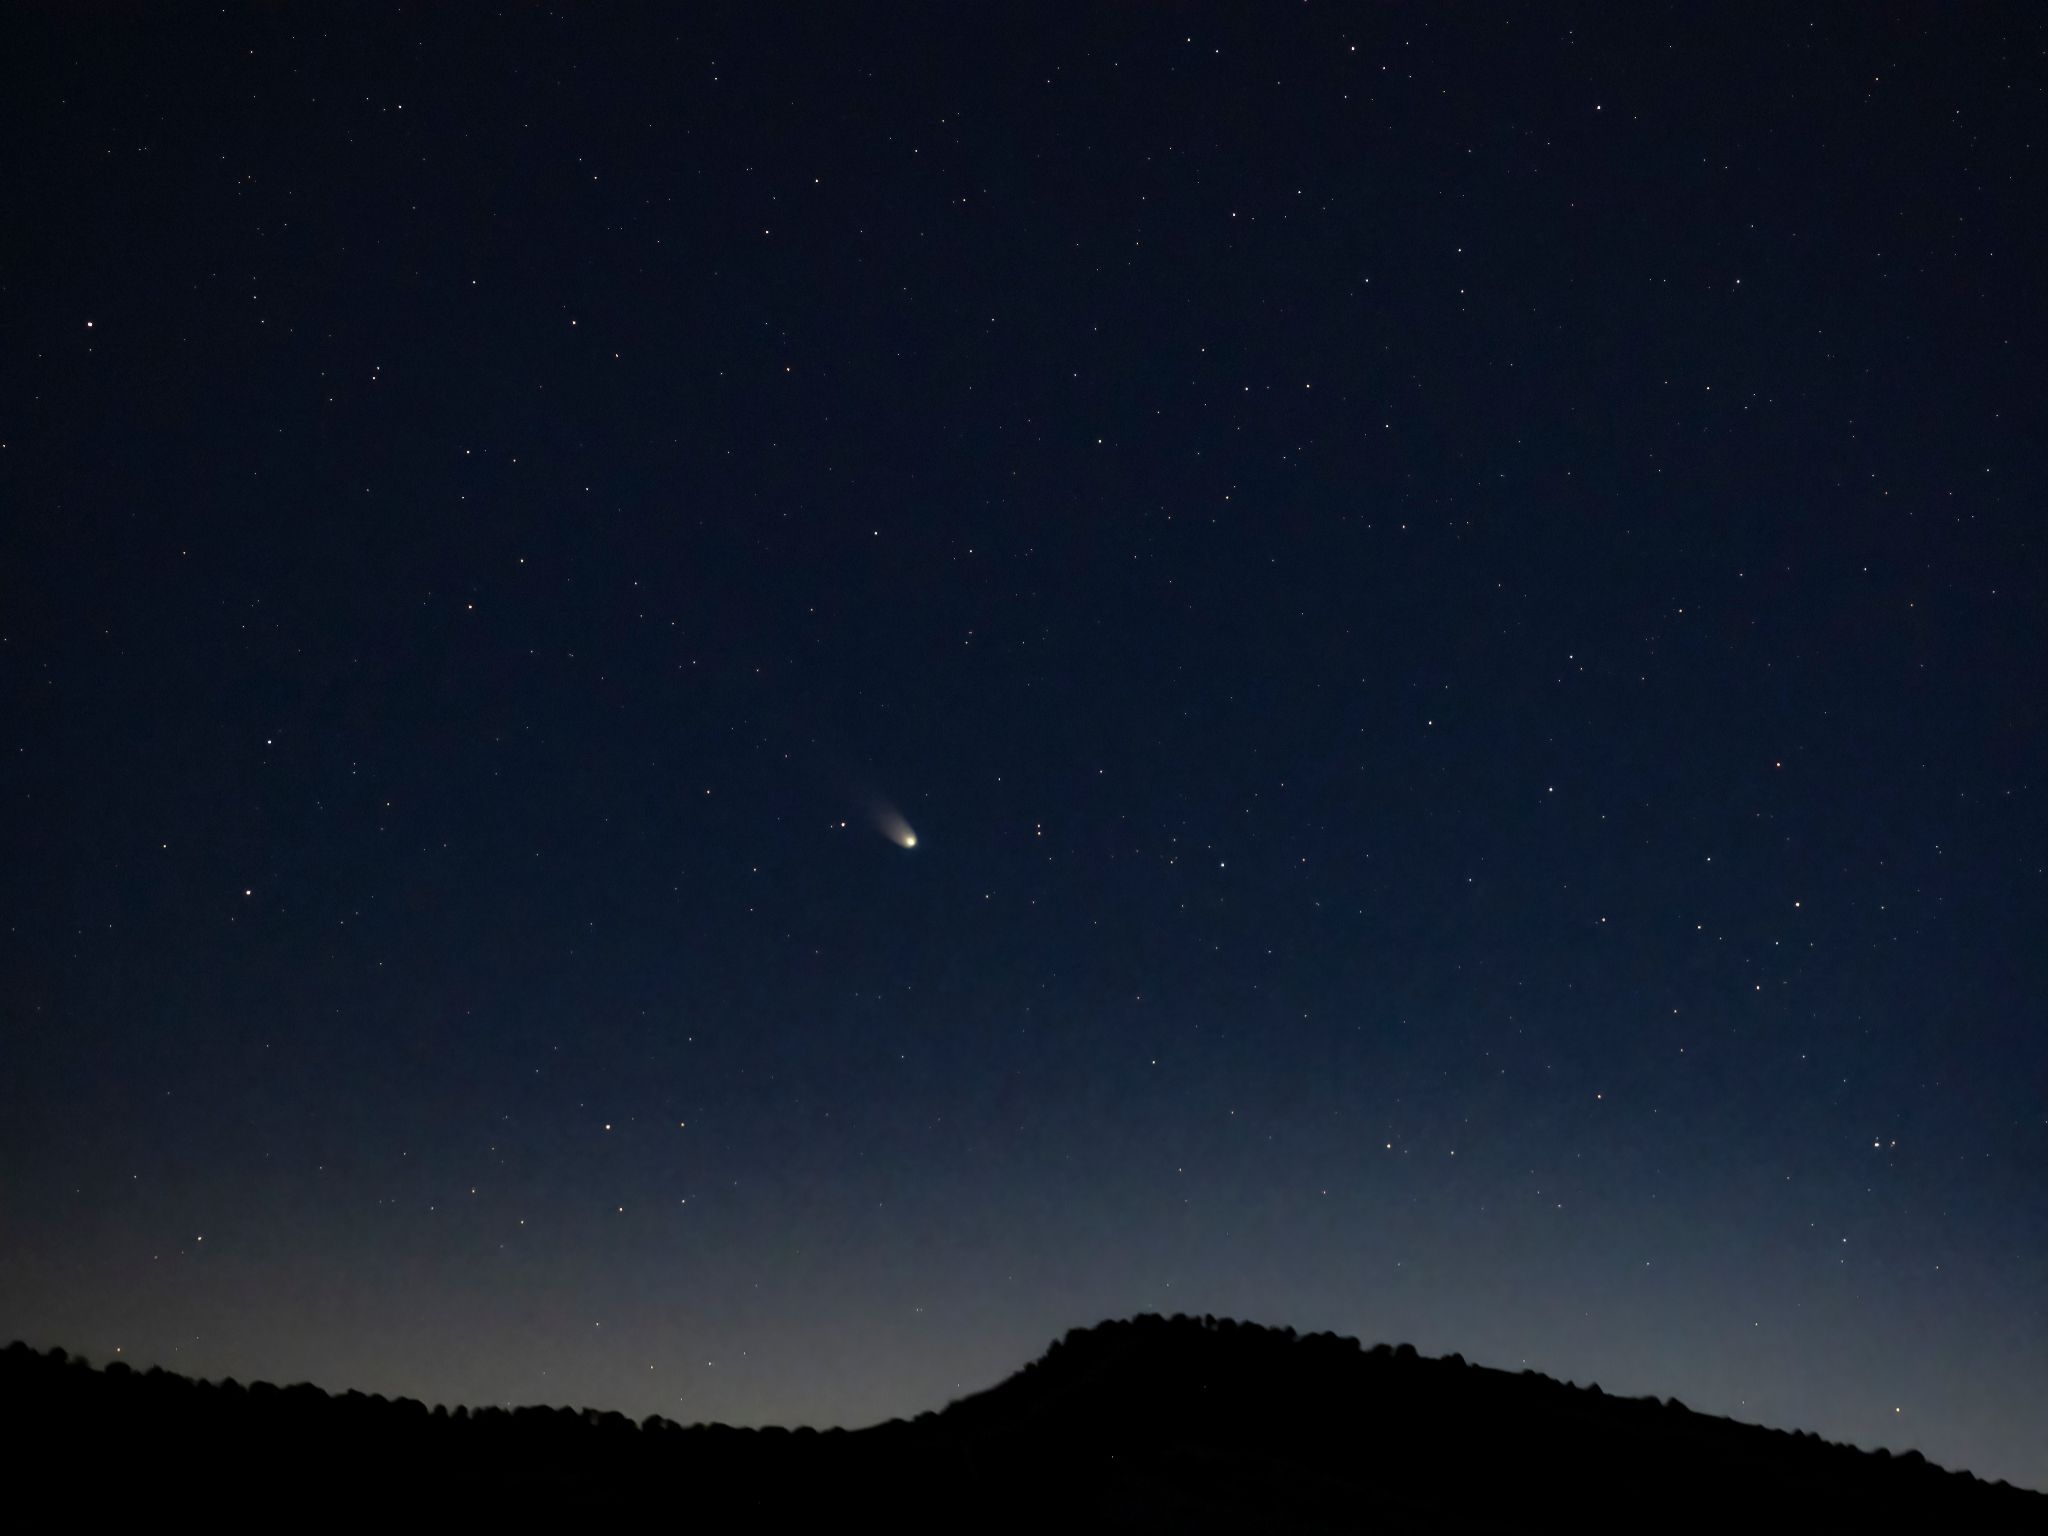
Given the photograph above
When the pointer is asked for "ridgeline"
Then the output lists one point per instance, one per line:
(1147, 1424)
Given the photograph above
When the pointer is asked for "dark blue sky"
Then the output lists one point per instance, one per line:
(1454, 599)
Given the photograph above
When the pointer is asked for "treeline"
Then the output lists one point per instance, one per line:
(1438, 1435)
(1185, 1423)
(62, 1406)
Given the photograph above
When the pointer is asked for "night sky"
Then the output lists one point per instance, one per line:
(1451, 598)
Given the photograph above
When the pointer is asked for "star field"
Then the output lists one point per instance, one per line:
(728, 713)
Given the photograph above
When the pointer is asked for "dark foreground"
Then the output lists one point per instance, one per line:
(1152, 1424)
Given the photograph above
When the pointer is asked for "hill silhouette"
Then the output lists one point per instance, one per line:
(1150, 1423)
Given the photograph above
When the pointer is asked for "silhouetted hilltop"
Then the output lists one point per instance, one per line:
(1151, 1423)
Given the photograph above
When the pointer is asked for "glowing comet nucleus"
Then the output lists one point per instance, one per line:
(890, 823)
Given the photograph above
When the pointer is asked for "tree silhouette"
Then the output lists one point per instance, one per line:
(1155, 1421)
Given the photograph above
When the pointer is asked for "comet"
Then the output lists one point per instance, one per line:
(890, 823)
